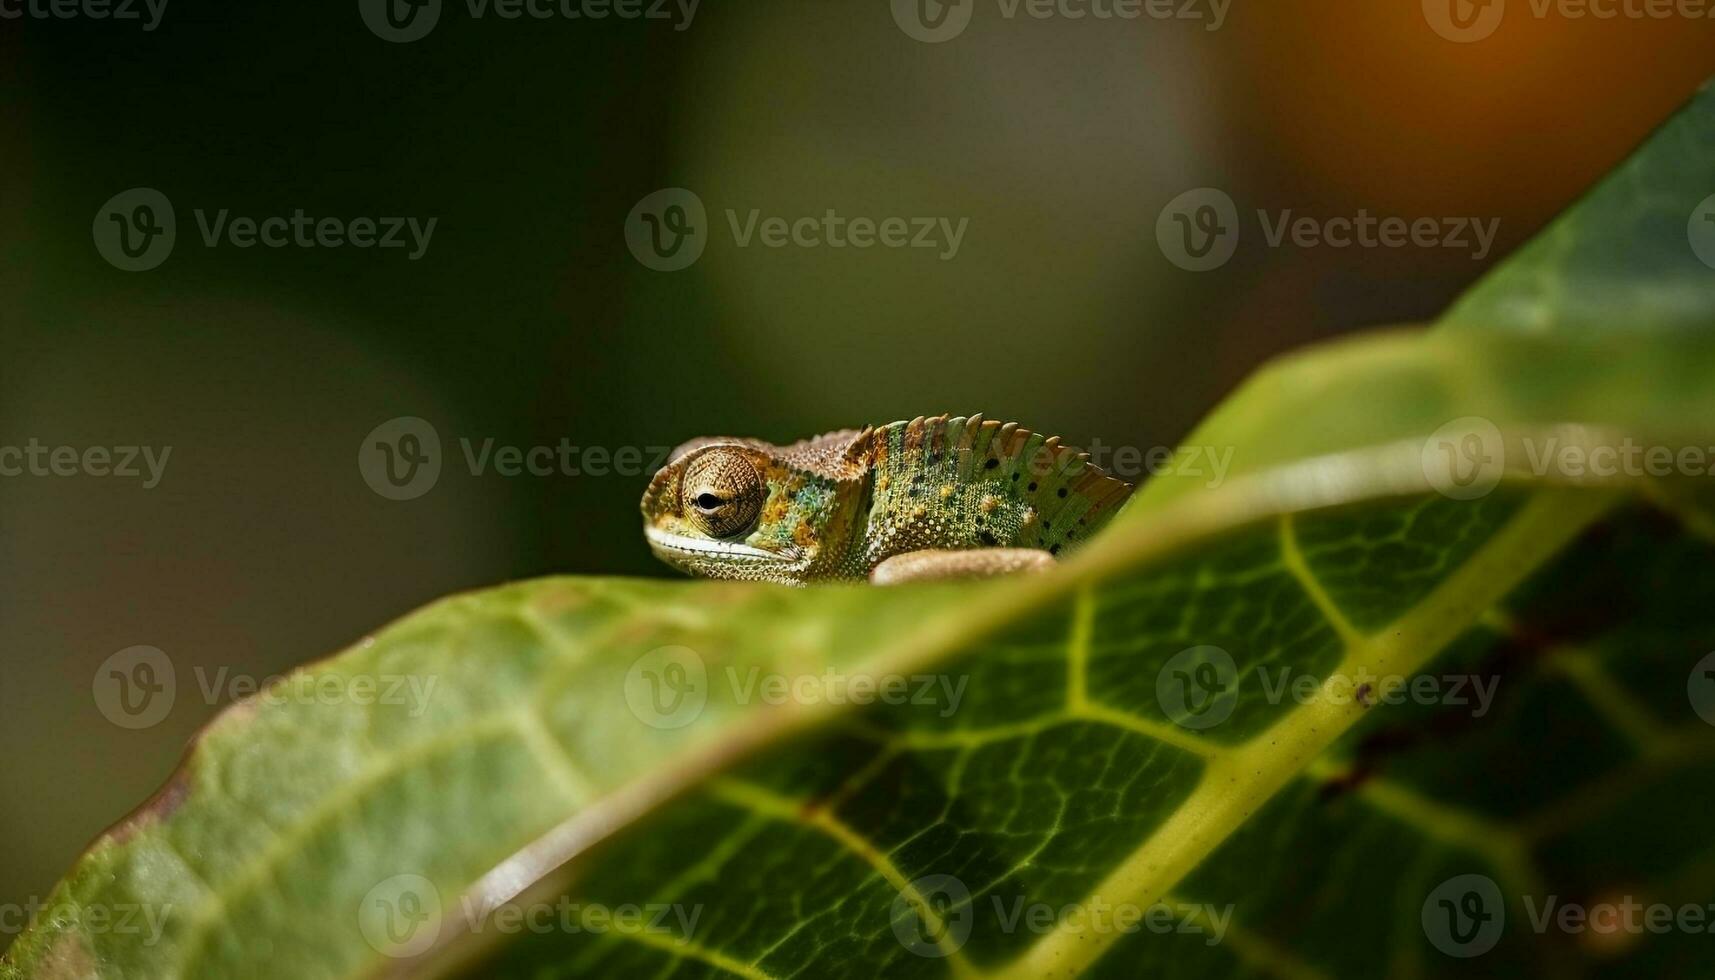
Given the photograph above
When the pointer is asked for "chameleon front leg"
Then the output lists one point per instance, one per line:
(933, 565)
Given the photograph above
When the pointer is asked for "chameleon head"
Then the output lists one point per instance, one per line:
(733, 510)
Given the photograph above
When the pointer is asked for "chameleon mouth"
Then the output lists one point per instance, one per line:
(667, 545)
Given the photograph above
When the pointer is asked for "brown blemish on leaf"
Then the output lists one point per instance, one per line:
(155, 809)
(1344, 783)
(67, 958)
(554, 602)
(1584, 610)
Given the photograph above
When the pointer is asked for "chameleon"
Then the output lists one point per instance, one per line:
(932, 498)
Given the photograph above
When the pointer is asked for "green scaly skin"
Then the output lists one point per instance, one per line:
(835, 507)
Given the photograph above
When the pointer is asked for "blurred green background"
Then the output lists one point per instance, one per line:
(527, 320)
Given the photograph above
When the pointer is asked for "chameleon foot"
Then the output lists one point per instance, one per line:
(940, 565)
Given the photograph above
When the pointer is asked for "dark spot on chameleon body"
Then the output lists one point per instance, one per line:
(992, 463)
(987, 538)
(1032, 487)
(1062, 493)
(1015, 478)
(1054, 549)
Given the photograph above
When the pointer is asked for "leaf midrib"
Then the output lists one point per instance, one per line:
(1238, 782)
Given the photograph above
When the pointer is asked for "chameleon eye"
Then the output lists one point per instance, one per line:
(723, 493)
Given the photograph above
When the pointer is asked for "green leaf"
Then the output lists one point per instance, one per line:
(1199, 709)
(1635, 257)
